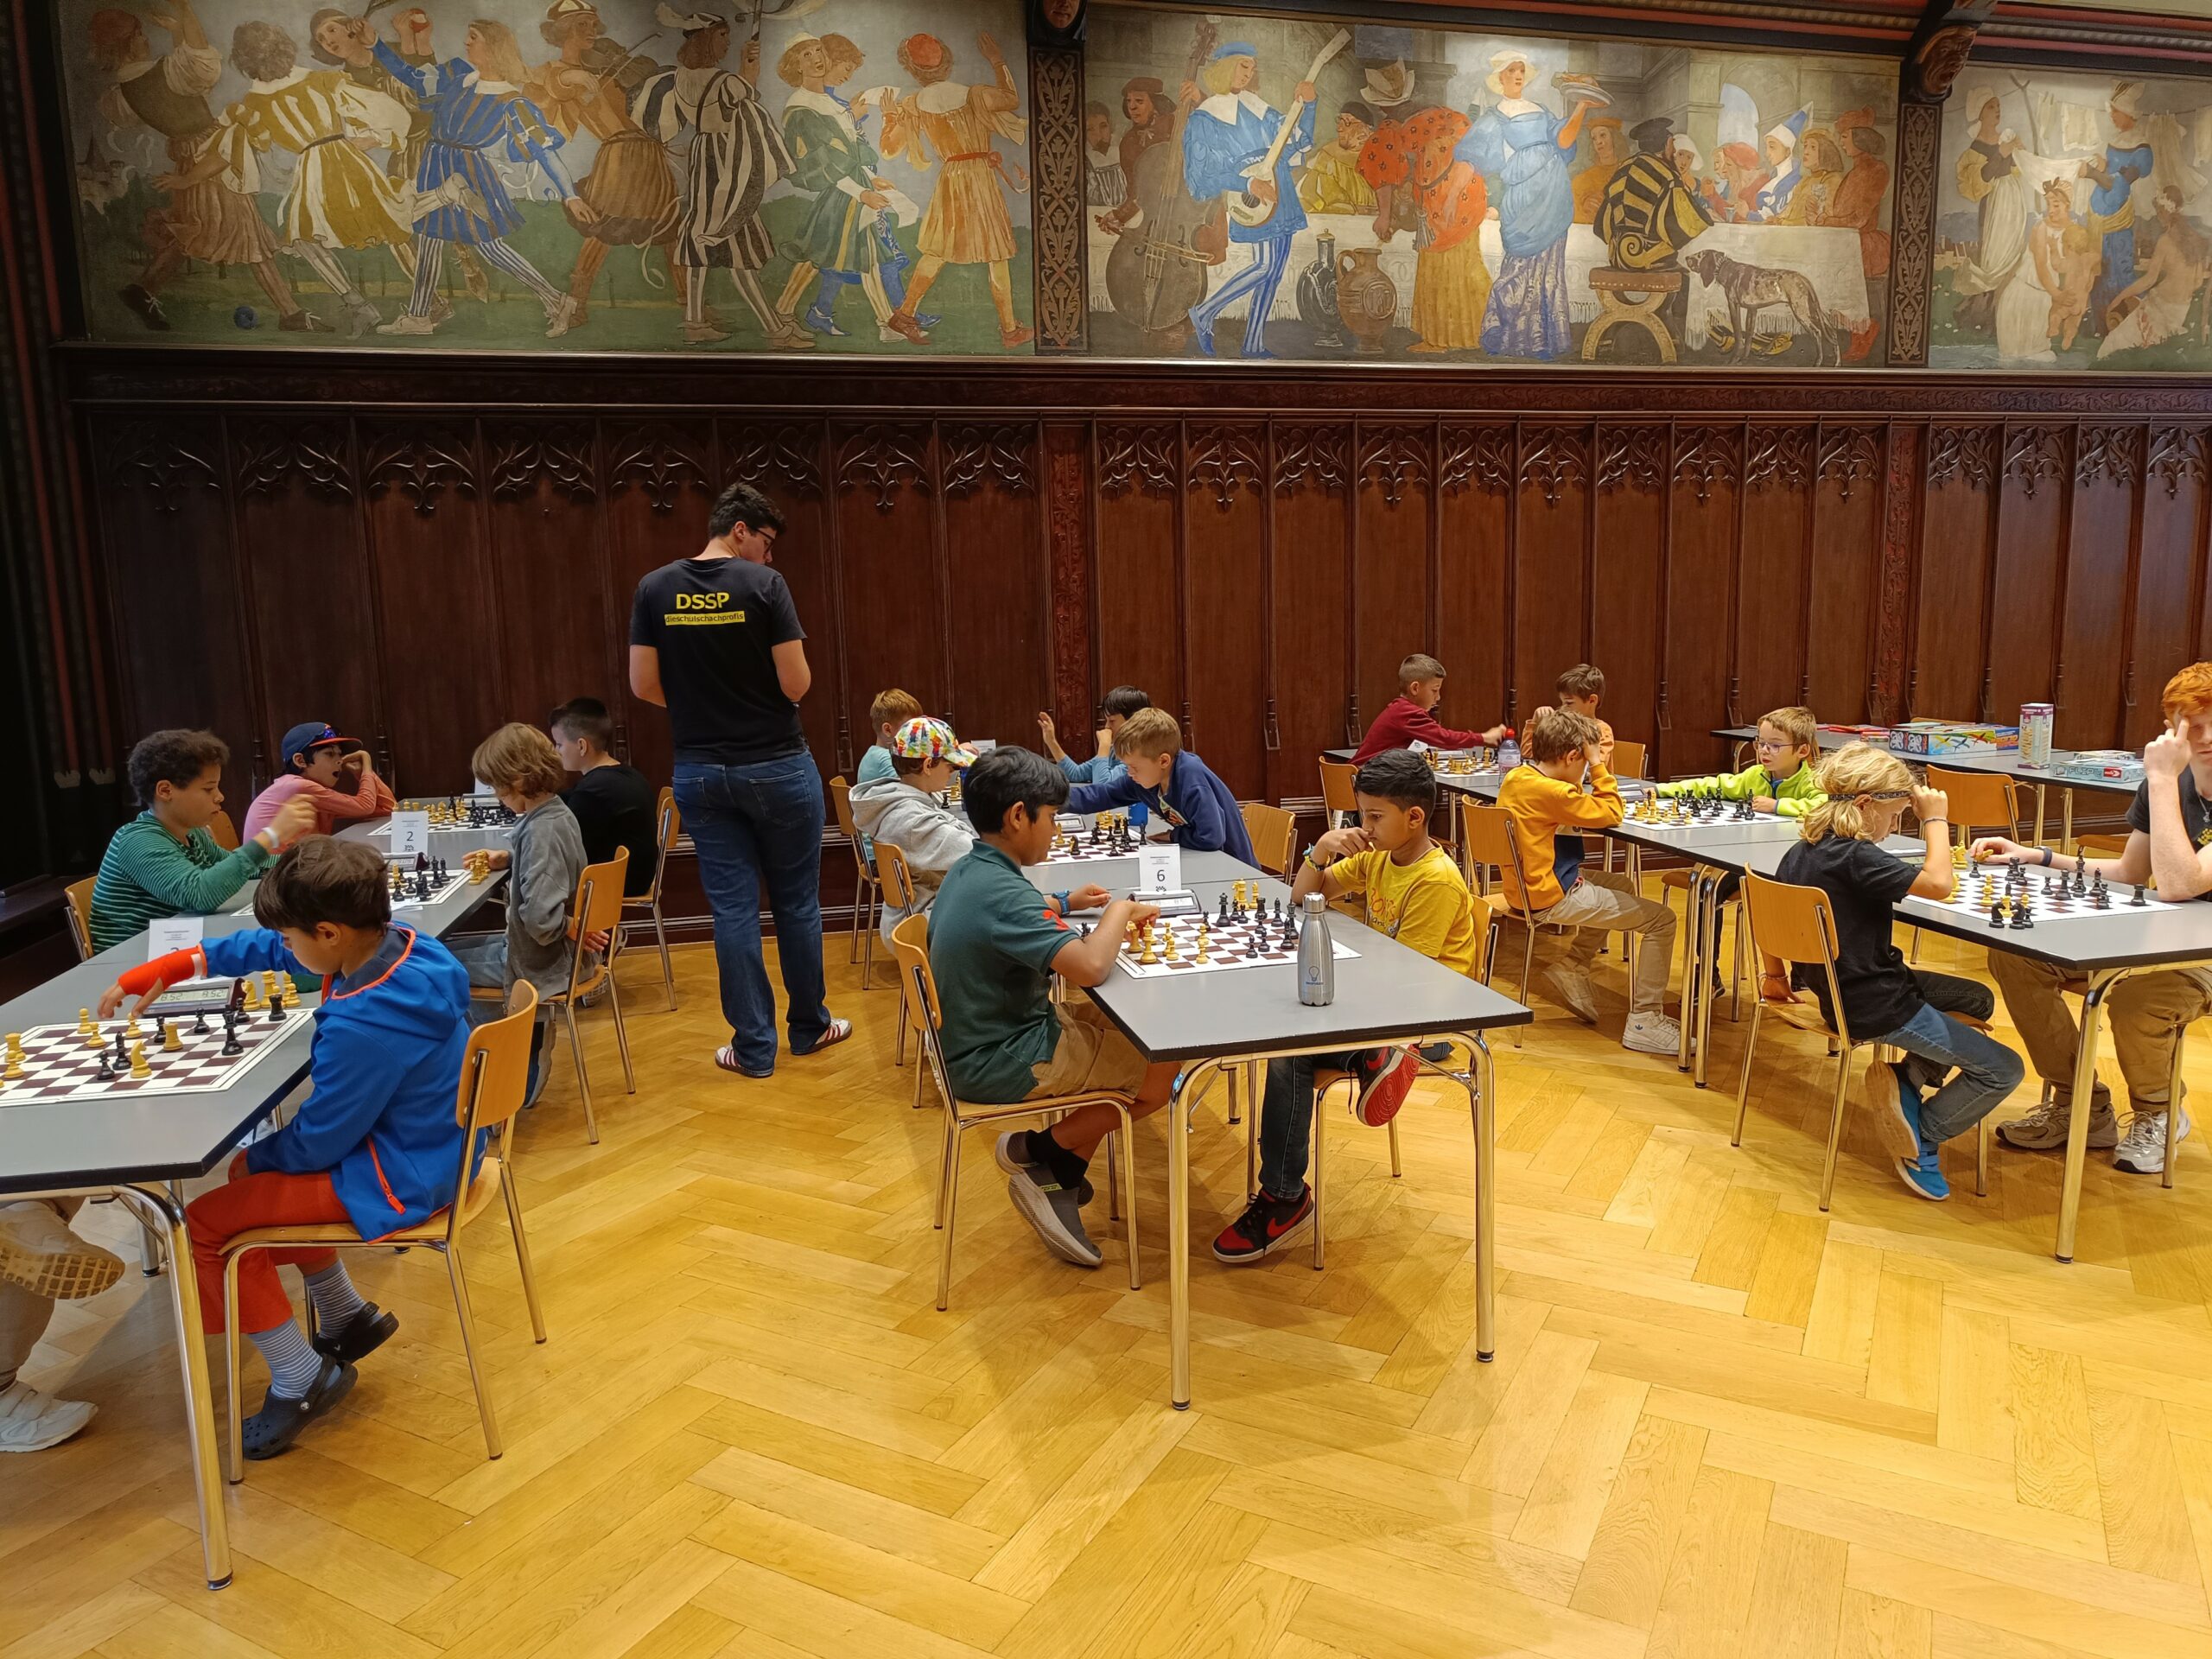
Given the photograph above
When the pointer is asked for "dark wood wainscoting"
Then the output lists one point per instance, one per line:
(423, 554)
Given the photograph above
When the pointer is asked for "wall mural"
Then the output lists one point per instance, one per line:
(2066, 235)
(1270, 188)
(834, 174)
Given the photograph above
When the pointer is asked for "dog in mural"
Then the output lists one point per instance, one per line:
(1751, 289)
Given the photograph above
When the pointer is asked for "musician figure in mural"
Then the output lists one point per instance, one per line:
(1228, 135)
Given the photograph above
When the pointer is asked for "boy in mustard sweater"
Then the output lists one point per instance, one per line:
(1542, 796)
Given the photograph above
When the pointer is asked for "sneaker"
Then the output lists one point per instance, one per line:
(1571, 989)
(1896, 1108)
(358, 1337)
(1007, 1149)
(1054, 1212)
(1652, 1034)
(1386, 1077)
(1923, 1174)
(2143, 1149)
(39, 1253)
(1267, 1224)
(31, 1421)
(2045, 1127)
(271, 1431)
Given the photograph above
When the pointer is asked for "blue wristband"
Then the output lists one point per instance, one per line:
(1061, 900)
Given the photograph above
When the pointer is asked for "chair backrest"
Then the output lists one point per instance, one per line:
(909, 943)
(668, 819)
(224, 832)
(1275, 833)
(2103, 846)
(495, 1066)
(1627, 759)
(1979, 800)
(1487, 832)
(80, 916)
(1337, 792)
(596, 908)
(841, 797)
(898, 882)
(1797, 924)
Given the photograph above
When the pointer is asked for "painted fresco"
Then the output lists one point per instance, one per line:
(1275, 187)
(2068, 233)
(593, 175)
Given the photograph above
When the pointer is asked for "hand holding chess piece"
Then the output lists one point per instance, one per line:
(1995, 849)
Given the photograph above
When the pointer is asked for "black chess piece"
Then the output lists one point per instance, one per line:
(2101, 897)
(2024, 914)
(161, 1031)
(2138, 898)
(231, 1044)
(1997, 912)
(122, 1053)
(275, 1008)
(2080, 872)
(199, 1022)
(1221, 918)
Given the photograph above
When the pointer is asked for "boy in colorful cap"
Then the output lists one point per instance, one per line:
(907, 810)
(330, 773)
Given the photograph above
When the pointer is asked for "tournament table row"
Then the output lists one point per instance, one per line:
(1210, 1022)
(135, 1147)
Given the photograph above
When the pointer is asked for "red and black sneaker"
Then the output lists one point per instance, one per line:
(1267, 1224)
(1385, 1076)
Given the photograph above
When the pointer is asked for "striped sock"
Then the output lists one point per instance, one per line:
(293, 1366)
(336, 1301)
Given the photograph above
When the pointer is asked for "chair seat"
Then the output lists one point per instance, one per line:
(1800, 1013)
(975, 1111)
(429, 1231)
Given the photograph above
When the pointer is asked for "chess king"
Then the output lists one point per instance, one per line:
(1230, 132)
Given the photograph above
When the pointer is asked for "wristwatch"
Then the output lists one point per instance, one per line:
(1061, 900)
(1318, 863)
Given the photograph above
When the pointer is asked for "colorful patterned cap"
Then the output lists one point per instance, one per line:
(930, 739)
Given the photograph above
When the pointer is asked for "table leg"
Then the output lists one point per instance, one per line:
(161, 1213)
(1692, 968)
(1482, 1102)
(2077, 1125)
(1178, 1231)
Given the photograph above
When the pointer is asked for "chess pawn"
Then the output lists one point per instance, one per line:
(85, 1023)
(1204, 955)
(14, 1067)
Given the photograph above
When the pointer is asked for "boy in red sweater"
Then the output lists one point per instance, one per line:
(1406, 717)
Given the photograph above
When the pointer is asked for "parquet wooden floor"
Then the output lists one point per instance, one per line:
(1720, 1423)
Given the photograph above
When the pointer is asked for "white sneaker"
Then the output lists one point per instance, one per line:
(1652, 1034)
(2143, 1149)
(2045, 1127)
(1571, 989)
(39, 1252)
(31, 1421)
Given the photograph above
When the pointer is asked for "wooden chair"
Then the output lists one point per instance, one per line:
(896, 883)
(909, 941)
(2100, 846)
(1798, 925)
(224, 832)
(1337, 793)
(1273, 833)
(596, 908)
(668, 822)
(1627, 759)
(1979, 800)
(1486, 839)
(80, 916)
(867, 897)
(494, 1074)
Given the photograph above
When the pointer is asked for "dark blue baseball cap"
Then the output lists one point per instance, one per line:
(307, 737)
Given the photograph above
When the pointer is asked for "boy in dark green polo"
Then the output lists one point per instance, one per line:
(994, 939)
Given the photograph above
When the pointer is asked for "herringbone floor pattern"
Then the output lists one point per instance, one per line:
(1720, 1423)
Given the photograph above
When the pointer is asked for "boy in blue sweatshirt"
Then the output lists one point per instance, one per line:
(1195, 804)
(375, 1144)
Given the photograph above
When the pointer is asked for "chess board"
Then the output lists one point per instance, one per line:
(2049, 896)
(1724, 825)
(455, 880)
(1076, 845)
(1244, 943)
(59, 1066)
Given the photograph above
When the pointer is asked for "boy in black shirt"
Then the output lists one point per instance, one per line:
(613, 804)
(1867, 790)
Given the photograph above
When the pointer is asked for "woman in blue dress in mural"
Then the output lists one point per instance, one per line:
(1524, 146)
(475, 103)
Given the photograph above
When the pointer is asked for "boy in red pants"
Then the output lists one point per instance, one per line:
(375, 1144)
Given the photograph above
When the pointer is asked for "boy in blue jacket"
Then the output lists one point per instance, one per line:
(1196, 805)
(375, 1144)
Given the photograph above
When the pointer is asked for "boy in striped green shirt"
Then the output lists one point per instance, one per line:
(164, 862)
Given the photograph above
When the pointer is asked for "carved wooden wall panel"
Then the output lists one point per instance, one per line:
(2104, 517)
(2167, 584)
(1552, 594)
(1227, 612)
(1394, 530)
(1955, 568)
(1136, 574)
(1772, 623)
(1474, 527)
(1695, 599)
(1310, 596)
(1848, 506)
(2024, 576)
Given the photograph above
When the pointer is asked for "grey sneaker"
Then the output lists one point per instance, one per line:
(1570, 987)
(2045, 1128)
(1652, 1034)
(1052, 1210)
(2143, 1149)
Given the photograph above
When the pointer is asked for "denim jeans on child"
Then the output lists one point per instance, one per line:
(754, 826)
(1982, 1071)
(1286, 1120)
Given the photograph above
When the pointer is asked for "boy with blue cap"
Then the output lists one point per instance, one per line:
(330, 773)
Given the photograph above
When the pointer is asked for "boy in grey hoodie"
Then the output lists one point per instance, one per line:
(906, 811)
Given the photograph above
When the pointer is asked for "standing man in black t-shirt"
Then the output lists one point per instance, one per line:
(2170, 837)
(716, 640)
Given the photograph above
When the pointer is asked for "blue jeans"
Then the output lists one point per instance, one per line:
(1982, 1071)
(1286, 1120)
(754, 826)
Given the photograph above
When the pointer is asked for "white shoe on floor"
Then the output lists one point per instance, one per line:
(2045, 1127)
(2143, 1149)
(1652, 1034)
(31, 1421)
(1571, 989)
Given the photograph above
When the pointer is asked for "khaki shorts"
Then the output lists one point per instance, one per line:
(1090, 1057)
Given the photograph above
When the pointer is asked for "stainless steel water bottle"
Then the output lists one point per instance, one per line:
(1317, 955)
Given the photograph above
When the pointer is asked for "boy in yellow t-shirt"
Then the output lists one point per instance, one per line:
(1414, 893)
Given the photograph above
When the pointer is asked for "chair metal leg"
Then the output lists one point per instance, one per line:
(583, 1077)
(1736, 973)
(622, 1034)
(492, 1447)
(947, 1149)
(899, 1041)
(1981, 1158)
(947, 1208)
(2173, 1104)
(1252, 1153)
(1527, 970)
(667, 965)
(919, 1069)
(149, 1251)
(853, 933)
(1233, 1073)
(1835, 1129)
(1128, 1171)
(235, 1455)
(1113, 1178)
(1397, 1171)
(1315, 1160)
(868, 946)
(522, 1250)
(1743, 1081)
